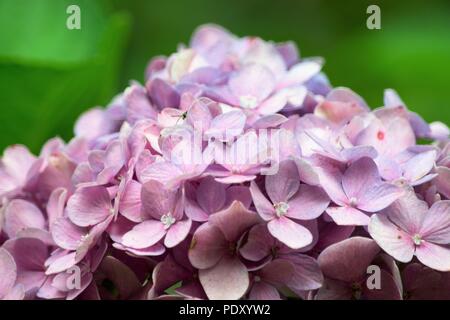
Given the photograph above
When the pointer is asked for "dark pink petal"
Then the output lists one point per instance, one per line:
(309, 203)
(177, 233)
(388, 291)
(211, 195)
(234, 220)
(348, 260)
(227, 280)
(259, 244)
(238, 193)
(263, 291)
(89, 206)
(20, 215)
(334, 290)
(123, 278)
(263, 206)
(144, 235)
(306, 273)
(207, 247)
(348, 216)
(284, 184)
(391, 238)
(278, 272)
(290, 233)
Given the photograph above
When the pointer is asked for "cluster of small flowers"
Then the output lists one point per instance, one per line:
(122, 207)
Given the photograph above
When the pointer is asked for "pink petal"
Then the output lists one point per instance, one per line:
(293, 235)
(420, 165)
(253, 80)
(436, 223)
(408, 212)
(348, 216)
(284, 184)
(157, 200)
(360, 176)
(391, 239)
(379, 197)
(20, 215)
(300, 73)
(227, 280)
(8, 272)
(144, 235)
(55, 205)
(130, 202)
(434, 256)
(61, 263)
(309, 203)
(263, 206)
(177, 233)
(227, 125)
(66, 234)
(89, 206)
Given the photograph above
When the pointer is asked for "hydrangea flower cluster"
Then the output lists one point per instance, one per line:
(235, 172)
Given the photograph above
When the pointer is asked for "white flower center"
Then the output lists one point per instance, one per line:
(248, 102)
(353, 202)
(257, 279)
(281, 208)
(417, 239)
(167, 220)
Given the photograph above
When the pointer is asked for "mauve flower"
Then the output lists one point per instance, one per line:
(164, 210)
(211, 196)
(345, 264)
(408, 228)
(215, 252)
(261, 249)
(356, 191)
(289, 200)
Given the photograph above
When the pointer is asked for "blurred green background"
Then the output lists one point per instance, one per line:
(49, 74)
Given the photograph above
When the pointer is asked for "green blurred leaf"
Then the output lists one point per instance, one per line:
(35, 31)
(43, 93)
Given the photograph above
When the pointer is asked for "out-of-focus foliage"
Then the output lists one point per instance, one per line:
(49, 74)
